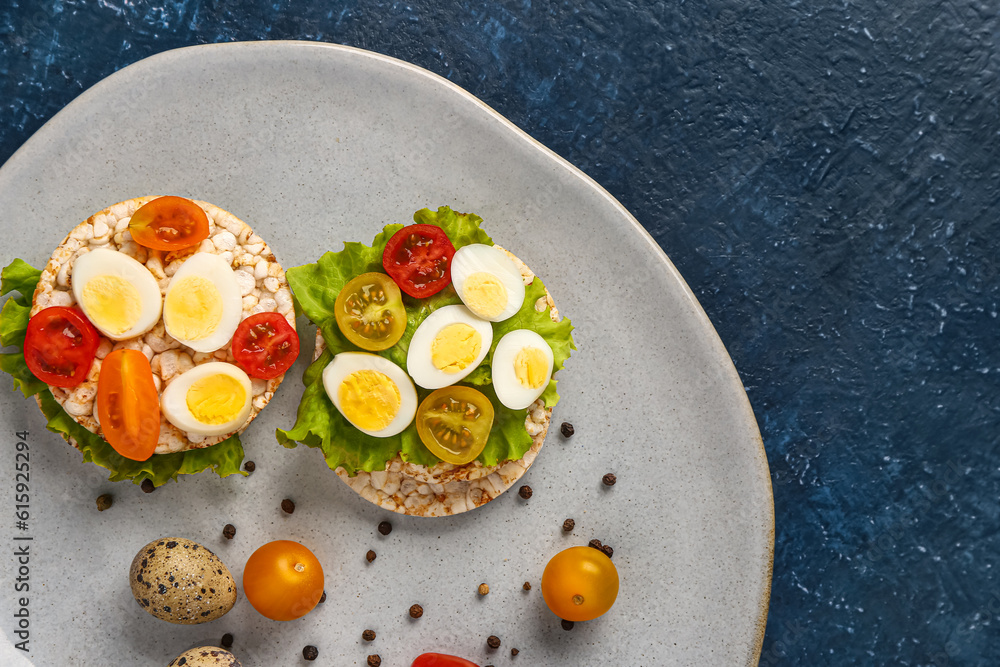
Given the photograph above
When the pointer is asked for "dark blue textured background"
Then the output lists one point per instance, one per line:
(825, 175)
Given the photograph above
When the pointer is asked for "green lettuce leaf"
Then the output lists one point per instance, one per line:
(224, 458)
(319, 424)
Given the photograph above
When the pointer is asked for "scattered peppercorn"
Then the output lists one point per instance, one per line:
(105, 501)
(608, 551)
(385, 527)
(147, 486)
(609, 479)
(368, 635)
(524, 492)
(249, 466)
(484, 589)
(493, 641)
(568, 525)
(229, 531)
(287, 506)
(567, 625)
(310, 652)
(374, 660)
(596, 544)
(526, 585)
(322, 598)
(370, 556)
(567, 430)
(227, 640)
(513, 652)
(416, 611)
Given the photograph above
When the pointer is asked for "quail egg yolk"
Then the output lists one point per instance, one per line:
(531, 367)
(216, 399)
(193, 308)
(455, 347)
(369, 399)
(484, 294)
(112, 302)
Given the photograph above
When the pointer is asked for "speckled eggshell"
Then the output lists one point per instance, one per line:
(205, 656)
(180, 581)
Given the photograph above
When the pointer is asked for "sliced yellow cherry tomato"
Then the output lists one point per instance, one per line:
(454, 423)
(370, 312)
(128, 404)
(580, 584)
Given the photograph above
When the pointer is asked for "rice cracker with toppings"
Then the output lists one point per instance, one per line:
(262, 288)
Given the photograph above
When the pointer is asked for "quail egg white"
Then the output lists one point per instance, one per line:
(522, 368)
(371, 392)
(203, 304)
(205, 656)
(117, 294)
(209, 399)
(487, 281)
(447, 346)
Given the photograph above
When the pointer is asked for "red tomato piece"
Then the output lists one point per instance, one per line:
(169, 223)
(265, 345)
(418, 258)
(59, 346)
(441, 660)
(128, 405)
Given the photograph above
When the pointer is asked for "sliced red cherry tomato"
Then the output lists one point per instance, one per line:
(283, 580)
(441, 660)
(169, 223)
(128, 405)
(370, 312)
(265, 345)
(580, 584)
(59, 346)
(418, 258)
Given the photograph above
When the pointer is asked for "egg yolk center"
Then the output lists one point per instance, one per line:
(193, 308)
(112, 303)
(455, 347)
(369, 399)
(216, 399)
(484, 294)
(530, 367)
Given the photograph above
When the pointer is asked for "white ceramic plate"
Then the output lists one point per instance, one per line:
(316, 144)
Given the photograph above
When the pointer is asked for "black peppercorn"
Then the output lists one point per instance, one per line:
(385, 527)
(374, 660)
(596, 544)
(370, 556)
(368, 635)
(249, 466)
(493, 641)
(524, 492)
(526, 585)
(310, 652)
(227, 640)
(567, 625)
(322, 598)
(287, 506)
(104, 501)
(567, 430)
(609, 552)
(568, 525)
(416, 611)
(229, 531)
(609, 479)
(147, 486)
(513, 652)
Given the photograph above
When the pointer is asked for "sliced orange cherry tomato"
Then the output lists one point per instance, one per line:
(418, 258)
(441, 660)
(283, 580)
(265, 345)
(128, 405)
(59, 346)
(370, 312)
(454, 423)
(169, 223)
(580, 584)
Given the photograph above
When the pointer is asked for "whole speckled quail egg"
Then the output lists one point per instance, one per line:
(205, 656)
(180, 581)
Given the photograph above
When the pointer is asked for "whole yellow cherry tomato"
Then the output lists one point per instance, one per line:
(580, 584)
(283, 580)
